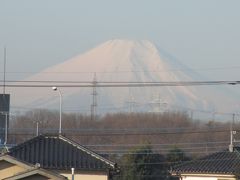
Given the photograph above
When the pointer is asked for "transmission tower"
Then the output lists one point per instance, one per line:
(94, 98)
(159, 105)
(131, 103)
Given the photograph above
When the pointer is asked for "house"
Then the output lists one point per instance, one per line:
(55, 155)
(13, 169)
(223, 165)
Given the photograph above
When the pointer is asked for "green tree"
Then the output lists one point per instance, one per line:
(143, 164)
(174, 157)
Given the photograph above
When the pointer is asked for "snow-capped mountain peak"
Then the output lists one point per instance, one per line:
(114, 61)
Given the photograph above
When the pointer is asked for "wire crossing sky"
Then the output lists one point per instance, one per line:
(113, 84)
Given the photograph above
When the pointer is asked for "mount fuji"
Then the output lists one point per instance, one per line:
(122, 61)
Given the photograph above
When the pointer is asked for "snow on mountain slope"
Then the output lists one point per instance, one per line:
(114, 61)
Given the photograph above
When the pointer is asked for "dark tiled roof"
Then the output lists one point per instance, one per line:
(59, 152)
(224, 162)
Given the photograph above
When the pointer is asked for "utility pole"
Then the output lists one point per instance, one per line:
(37, 121)
(37, 127)
(60, 107)
(37, 132)
(4, 69)
(6, 128)
(94, 98)
(232, 133)
(4, 103)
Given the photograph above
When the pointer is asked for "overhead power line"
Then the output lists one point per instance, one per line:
(114, 84)
(128, 71)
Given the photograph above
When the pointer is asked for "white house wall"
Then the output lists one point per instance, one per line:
(86, 177)
(199, 178)
(206, 178)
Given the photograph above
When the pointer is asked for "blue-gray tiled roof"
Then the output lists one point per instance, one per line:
(224, 162)
(59, 152)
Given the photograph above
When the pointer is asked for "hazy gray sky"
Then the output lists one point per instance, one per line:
(200, 33)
